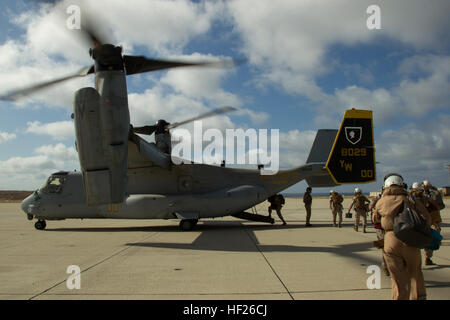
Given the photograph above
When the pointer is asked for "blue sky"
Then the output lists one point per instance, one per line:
(307, 62)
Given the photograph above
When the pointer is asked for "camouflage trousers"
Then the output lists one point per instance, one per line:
(278, 211)
(360, 214)
(337, 212)
(308, 213)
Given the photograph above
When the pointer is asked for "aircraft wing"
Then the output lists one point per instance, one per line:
(135, 158)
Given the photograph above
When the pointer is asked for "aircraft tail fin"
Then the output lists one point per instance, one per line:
(352, 157)
(320, 152)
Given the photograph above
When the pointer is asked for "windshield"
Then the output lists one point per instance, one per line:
(54, 184)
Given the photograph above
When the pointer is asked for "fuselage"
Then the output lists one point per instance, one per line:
(196, 190)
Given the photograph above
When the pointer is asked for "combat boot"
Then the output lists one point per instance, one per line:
(429, 262)
(355, 228)
(364, 229)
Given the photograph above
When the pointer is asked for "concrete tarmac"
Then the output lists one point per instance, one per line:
(221, 259)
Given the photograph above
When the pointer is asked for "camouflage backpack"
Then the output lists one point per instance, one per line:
(360, 204)
(279, 200)
(337, 199)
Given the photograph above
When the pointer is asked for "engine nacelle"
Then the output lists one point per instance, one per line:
(103, 156)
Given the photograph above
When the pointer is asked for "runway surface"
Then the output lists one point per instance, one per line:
(223, 258)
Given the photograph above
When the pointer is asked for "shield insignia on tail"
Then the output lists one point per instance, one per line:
(353, 134)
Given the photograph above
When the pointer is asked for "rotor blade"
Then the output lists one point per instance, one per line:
(17, 94)
(148, 130)
(140, 64)
(205, 115)
(93, 30)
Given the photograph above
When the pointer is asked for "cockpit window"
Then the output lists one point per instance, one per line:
(54, 184)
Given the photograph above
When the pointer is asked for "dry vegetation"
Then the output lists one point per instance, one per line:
(13, 196)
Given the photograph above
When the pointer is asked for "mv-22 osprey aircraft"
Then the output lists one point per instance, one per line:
(125, 177)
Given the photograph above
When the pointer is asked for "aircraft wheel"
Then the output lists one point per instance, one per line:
(40, 225)
(29, 216)
(187, 224)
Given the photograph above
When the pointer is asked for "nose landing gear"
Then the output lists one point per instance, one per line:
(40, 225)
(29, 216)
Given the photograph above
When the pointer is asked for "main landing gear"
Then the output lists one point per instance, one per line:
(188, 224)
(40, 225)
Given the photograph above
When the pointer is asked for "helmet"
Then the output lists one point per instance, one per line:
(357, 190)
(415, 185)
(331, 191)
(308, 189)
(392, 174)
(426, 183)
(393, 180)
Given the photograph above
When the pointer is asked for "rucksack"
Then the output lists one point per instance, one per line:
(411, 228)
(436, 241)
(437, 197)
(337, 199)
(360, 204)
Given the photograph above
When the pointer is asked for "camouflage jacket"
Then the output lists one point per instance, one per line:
(307, 199)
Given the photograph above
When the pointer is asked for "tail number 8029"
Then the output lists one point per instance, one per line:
(353, 152)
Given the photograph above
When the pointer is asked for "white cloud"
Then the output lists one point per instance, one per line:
(27, 173)
(288, 43)
(293, 35)
(155, 104)
(5, 136)
(412, 98)
(162, 26)
(295, 146)
(22, 66)
(57, 130)
(418, 151)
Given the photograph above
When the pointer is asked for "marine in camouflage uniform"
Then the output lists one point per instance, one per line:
(276, 203)
(307, 200)
(360, 203)
(436, 220)
(336, 207)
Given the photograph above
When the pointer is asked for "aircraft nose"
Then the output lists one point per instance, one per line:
(26, 203)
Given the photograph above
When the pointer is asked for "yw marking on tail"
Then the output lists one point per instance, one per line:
(348, 166)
